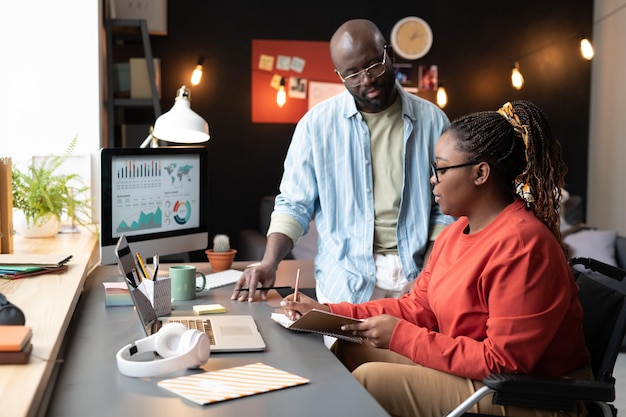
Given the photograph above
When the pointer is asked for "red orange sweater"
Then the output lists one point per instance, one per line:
(500, 300)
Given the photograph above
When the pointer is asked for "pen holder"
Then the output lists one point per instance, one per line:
(158, 294)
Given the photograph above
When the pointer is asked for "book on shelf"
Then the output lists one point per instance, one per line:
(321, 322)
(20, 271)
(16, 357)
(41, 260)
(14, 266)
(231, 383)
(14, 338)
(6, 206)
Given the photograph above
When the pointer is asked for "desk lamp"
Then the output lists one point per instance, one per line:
(180, 124)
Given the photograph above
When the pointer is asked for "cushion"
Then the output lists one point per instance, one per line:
(620, 251)
(596, 244)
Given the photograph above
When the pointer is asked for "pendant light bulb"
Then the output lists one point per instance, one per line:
(281, 96)
(442, 96)
(586, 49)
(196, 76)
(517, 79)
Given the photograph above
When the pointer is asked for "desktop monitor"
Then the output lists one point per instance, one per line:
(157, 197)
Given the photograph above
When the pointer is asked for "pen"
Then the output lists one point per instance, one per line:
(131, 281)
(66, 260)
(295, 289)
(135, 278)
(155, 263)
(142, 266)
(265, 288)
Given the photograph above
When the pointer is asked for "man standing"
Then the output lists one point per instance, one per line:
(359, 163)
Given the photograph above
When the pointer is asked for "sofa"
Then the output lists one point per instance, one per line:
(602, 245)
(252, 241)
(588, 242)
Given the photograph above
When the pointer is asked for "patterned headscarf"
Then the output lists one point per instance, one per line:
(521, 188)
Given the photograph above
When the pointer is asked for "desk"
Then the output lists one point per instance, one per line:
(90, 384)
(48, 302)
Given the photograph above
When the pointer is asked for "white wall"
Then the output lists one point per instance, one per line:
(50, 79)
(606, 194)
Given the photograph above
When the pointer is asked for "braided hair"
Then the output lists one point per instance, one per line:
(519, 146)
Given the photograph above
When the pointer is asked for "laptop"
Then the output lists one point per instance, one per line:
(227, 333)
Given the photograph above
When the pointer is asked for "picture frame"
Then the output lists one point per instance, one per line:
(403, 73)
(428, 77)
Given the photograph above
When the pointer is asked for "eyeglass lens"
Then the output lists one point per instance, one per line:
(373, 71)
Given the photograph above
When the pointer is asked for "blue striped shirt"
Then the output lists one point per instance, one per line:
(328, 175)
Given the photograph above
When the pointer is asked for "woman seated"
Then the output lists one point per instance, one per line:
(497, 293)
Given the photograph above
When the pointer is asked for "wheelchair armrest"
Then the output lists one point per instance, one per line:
(545, 392)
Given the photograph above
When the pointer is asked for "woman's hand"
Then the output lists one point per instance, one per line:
(295, 309)
(375, 330)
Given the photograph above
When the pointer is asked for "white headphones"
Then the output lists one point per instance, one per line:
(179, 347)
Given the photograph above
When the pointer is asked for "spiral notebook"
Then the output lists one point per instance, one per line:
(321, 322)
(231, 383)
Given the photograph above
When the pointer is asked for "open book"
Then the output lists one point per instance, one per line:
(322, 322)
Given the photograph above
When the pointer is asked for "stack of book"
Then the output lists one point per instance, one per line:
(15, 344)
(14, 266)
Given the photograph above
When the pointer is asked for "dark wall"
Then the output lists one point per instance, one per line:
(474, 46)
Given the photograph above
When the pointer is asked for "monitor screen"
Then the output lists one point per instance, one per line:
(157, 197)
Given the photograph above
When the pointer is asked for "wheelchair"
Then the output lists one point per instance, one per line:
(604, 325)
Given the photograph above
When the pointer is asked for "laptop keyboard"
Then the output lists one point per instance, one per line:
(222, 278)
(198, 324)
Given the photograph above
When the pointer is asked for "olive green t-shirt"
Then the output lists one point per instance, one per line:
(387, 147)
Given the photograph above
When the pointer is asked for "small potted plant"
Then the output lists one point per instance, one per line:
(221, 256)
(41, 196)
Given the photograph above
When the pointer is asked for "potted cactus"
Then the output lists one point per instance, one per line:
(221, 256)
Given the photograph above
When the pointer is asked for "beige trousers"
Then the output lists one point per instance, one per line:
(404, 388)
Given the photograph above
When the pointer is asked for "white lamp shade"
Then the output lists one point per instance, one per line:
(181, 124)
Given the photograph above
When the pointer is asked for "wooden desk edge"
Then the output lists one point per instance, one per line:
(25, 389)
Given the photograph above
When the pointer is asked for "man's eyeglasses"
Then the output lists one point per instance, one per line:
(435, 171)
(373, 71)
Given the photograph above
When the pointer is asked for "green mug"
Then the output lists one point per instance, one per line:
(183, 282)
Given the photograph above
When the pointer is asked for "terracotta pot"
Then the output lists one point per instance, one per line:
(220, 261)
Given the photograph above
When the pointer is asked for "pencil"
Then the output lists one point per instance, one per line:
(295, 288)
(142, 266)
(264, 288)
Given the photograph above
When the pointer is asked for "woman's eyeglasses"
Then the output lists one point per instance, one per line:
(435, 171)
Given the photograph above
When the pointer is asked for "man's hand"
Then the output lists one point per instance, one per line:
(263, 274)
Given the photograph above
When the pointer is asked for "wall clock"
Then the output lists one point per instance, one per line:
(411, 37)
